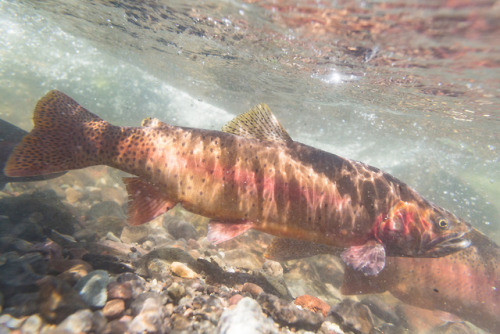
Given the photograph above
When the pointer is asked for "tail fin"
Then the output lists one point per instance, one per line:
(65, 136)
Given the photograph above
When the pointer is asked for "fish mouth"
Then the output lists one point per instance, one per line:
(446, 244)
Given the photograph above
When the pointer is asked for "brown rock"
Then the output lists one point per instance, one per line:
(235, 299)
(313, 304)
(57, 299)
(252, 288)
(114, 308)
(77, 270)
(119, 290)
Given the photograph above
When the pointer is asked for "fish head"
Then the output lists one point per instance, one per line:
(421, 230)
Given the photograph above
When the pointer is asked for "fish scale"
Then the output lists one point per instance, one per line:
(251, 175)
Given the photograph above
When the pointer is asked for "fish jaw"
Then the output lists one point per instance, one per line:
(421, 230)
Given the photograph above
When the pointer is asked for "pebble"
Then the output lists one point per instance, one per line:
(149, 319)
(126, 286)
(71, 270)
(235, 299)
(92, 288)
(85, 234)
(73, 195)
(78, 322)
(180, 322)
(57, 299)
(116, 327)
(120, 290)
(176, 291)
(134, 234)
(252, 288)
(159, 269)
(352, 314)
(181, 270)
(246, 318)
(11, 322)
(179, 228)
(313, 303)
(106, 209)
(114, 308)
(273, 268)
(328, 327)
(288, 314)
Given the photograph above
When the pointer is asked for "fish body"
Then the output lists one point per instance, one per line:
(250, 175)
(465, 283)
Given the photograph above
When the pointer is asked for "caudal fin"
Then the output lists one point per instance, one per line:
(65, 136)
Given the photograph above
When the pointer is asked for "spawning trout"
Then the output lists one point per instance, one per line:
(250, 175)
(465, 283)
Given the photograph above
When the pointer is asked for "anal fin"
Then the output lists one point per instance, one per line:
(219, 231)
(146, 201)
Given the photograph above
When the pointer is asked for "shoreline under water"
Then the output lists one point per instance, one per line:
(412, 89)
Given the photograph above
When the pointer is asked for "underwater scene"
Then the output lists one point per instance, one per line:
(250, 166)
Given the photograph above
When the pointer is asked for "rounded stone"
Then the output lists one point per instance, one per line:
(32, 324)
(92, 288)
(176, 291)
(78, 322)
(114, 308)
(181, 270)
(313, 304)
(252, 288)
(246, 318)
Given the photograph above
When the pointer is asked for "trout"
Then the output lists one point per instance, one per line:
(465, 283)
(250, 175)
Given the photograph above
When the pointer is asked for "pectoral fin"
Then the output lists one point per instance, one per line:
(219, 231)
(368, 258)
(146, 201)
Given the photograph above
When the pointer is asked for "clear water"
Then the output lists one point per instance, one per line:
(410, 87)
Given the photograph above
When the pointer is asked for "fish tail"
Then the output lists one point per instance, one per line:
(65, 136)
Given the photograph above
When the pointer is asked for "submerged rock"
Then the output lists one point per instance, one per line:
(17, 274)
(114, 308)
(354, 316)
(92, 288)
(78, 322)
(181, 270)
(57, 300)
(32, 324)
(106, 209)
(45, 206)
(179, 228)
(126, 286)
(246, 318)
(150, 318)
(313, 303)
(288, 314)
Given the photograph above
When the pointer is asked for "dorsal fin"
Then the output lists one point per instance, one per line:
(154, 123)
(258, 123)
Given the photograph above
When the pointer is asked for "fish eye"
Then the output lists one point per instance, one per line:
(442, 223)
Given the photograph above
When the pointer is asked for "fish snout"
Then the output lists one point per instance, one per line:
(444, 245)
